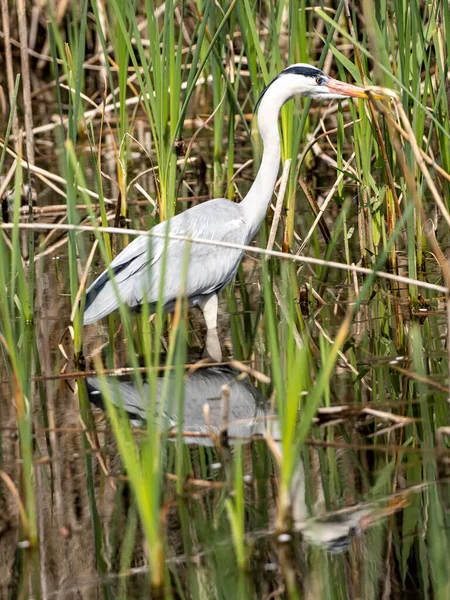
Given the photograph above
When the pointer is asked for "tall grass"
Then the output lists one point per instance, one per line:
(312, 338)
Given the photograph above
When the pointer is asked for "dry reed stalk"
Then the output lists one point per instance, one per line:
(103, 74)
(9, 66)
(9, 484)
(46, 361)
(26, 86)
(8, 178)
(313, 142)
(285, 313)
(38, 7)
(342, 356)
(40, 483)
(61, 8)
(316, 210)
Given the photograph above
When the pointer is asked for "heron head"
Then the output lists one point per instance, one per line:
(310, 82)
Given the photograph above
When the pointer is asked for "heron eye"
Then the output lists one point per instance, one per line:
(320, 80)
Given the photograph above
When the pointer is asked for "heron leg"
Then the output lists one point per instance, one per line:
(209, 307)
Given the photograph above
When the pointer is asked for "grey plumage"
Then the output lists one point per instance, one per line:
(138, 268)
(247, 409)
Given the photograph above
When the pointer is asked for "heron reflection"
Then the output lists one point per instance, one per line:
(248, 415)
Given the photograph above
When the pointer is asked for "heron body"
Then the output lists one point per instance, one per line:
(140, 268)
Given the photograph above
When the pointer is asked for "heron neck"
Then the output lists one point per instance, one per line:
(256, 202)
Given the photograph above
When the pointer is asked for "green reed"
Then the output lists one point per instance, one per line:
(17, 323)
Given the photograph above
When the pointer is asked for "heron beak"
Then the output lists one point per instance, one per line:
(345, 89)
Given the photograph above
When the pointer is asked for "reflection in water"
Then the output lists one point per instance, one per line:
(246, 407)
(246, 412)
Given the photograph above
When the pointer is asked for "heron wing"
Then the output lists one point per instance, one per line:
(187, 268)
(194, 269)
(101, 296)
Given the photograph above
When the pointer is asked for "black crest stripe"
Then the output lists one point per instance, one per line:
(304, 70)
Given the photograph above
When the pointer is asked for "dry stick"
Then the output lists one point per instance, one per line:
(314, 443)
(101, 9)
(184, 29)
(326, 202)
(34, 23)
(61, 242)
(316, 149)
(94, 444)
(313, 140)
(247, 370)
(9, 65)
(7, 178)
(59, 209)
(199, 129)
(83, 96)
(388, 416)
(225, 414)
(252, 249)
(40, 482)
(285, 313)
(47, 58)
(241, 168)
(348, 364)
(420, 378)
(279, 204)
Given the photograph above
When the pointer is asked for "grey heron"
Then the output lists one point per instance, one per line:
(138, 269)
